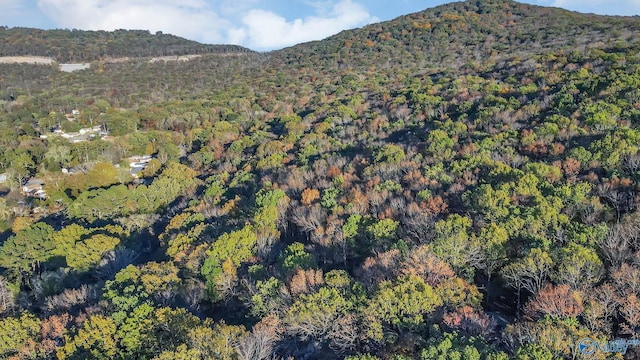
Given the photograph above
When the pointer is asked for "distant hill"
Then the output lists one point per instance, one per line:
(462, 32)
(83, 46)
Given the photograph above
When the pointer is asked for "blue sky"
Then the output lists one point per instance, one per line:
(257, 24)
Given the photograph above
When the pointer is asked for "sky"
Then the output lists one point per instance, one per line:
(257, 24)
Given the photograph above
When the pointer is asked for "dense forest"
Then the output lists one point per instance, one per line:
(459, 183)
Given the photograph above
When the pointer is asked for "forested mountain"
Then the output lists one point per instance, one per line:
(459, 183)
(86, 46)
(464, 33)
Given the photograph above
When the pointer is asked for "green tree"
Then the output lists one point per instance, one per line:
(5, 210)
(141, 330)
(65, 238)
(295, 257)
(400, 306)
(23, 165)
(453, 346)
(101, 204)
(224, 257)
(59, 155)
(218, 341)
(492, 240)
(454, 244)
(134, 331)
(271, 296)
(175, 180)
(312, 316)
(133, 286)
(351, 226)
(152, 169)
(101, 175)
(578, 266)
(362, 357)
(383, 233)
(390, 153)
(329, 197)
(171, 328)
(239, 246)
(493, 204)
(17, 334)
(182, 352)
(602, 115)
(533, 352)
(26, 250)
(441, 146)
(95, 339)
(121, 122)
(87, 254)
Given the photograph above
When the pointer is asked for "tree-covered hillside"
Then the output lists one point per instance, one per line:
(460, 183)
(86, 46)
(464, 33)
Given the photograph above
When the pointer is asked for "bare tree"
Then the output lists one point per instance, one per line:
(632, 163)
(115, 261)
(601, 307)
(7, 304)
(528, 273)
(620, 198)
(418, 223)
(626, 278)
(345, 334)
(193, 294)
(73, 297)
(138, 222)
(308, 219)
(260, 343)
(616, 246)
(49, 282)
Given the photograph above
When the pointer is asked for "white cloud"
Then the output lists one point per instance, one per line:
(209, 21)
(194, 19)
(263, 29)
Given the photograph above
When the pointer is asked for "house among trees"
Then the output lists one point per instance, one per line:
(34, 188)
(84, 134)
(3, 178)
(138, 163)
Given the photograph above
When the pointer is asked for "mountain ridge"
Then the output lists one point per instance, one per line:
(447, 20)
(471, 30)
(88, 45)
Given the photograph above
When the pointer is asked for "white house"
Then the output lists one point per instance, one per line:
(138, 163)
(33, 187)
